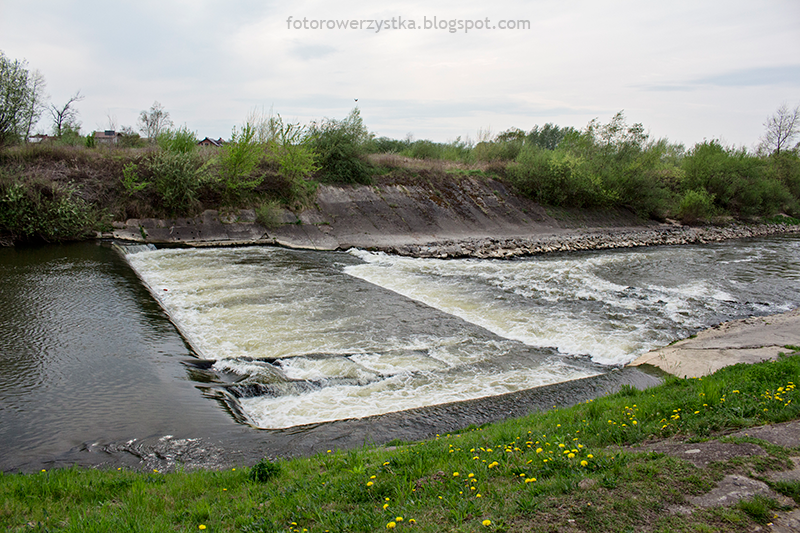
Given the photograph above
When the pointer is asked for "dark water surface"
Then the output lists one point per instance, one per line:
(86, 353)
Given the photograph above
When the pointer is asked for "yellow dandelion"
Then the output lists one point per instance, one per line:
(398, 519)
(385, 506)
(201, 526)
(584, 463)
(455, 474)
(391, 525)
(487, 523)
(369, 483)
(590, 456)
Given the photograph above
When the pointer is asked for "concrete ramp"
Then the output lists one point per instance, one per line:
(750, 340)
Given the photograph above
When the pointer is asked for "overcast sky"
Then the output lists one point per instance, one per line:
(687, 70)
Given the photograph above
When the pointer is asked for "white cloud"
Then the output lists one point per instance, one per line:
(686, 70)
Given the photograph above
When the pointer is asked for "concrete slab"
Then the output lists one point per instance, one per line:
(750, 340)
(735, 488)
(786, 434)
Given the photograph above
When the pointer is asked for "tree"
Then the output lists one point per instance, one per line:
(154, 121)
(65, 118)
(21, 99)
(782, 128)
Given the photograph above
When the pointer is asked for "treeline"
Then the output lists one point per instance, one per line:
(65, 189)
(619, 165)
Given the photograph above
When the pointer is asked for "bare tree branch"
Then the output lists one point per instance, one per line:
(782, 128)
(154, 121)
(65, 116)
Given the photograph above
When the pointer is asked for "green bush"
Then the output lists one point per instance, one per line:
(556, 178)
(268, 214)
(497, 150)
(238, 164)
(385, 145)
(341, 146)
(424, 149)
(177, 178)
(741, 184)
(181, 141)
(264, 470)
(43, 209)
(696, 205)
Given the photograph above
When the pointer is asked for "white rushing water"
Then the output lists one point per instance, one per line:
(324, 336)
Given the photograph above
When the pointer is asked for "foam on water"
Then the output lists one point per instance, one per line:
(312, 343)
(611, 306)
(322, 336)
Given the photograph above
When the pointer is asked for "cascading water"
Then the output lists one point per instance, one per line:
(303, 337)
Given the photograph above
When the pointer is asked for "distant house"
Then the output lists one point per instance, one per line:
(109, 137)
(41, 137)
(211, 142)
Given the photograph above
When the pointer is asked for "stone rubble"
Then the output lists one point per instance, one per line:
(506, 248)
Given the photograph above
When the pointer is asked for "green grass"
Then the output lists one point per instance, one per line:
(544, 472)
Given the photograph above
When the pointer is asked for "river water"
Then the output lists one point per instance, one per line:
(276, 338)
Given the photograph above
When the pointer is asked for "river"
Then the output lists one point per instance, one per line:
(96, 352)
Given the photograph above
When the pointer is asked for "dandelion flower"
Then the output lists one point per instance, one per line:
(201, 526)
(455, 474)
(385, 506)
(487, 523)
(412, 521)
(369, 483)
(391, 525)
(590, 456)
(398, 519)
(584, 463)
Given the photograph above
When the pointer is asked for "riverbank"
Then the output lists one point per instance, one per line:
(688, 455)
(478, 218)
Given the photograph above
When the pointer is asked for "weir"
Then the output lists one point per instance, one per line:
(299, 337)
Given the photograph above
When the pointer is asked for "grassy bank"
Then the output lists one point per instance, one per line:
(562, 470)
(66, 190)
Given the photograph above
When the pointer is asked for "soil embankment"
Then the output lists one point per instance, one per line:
(462, 217)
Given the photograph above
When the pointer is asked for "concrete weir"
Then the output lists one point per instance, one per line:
(468, 217)
(749, 340)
